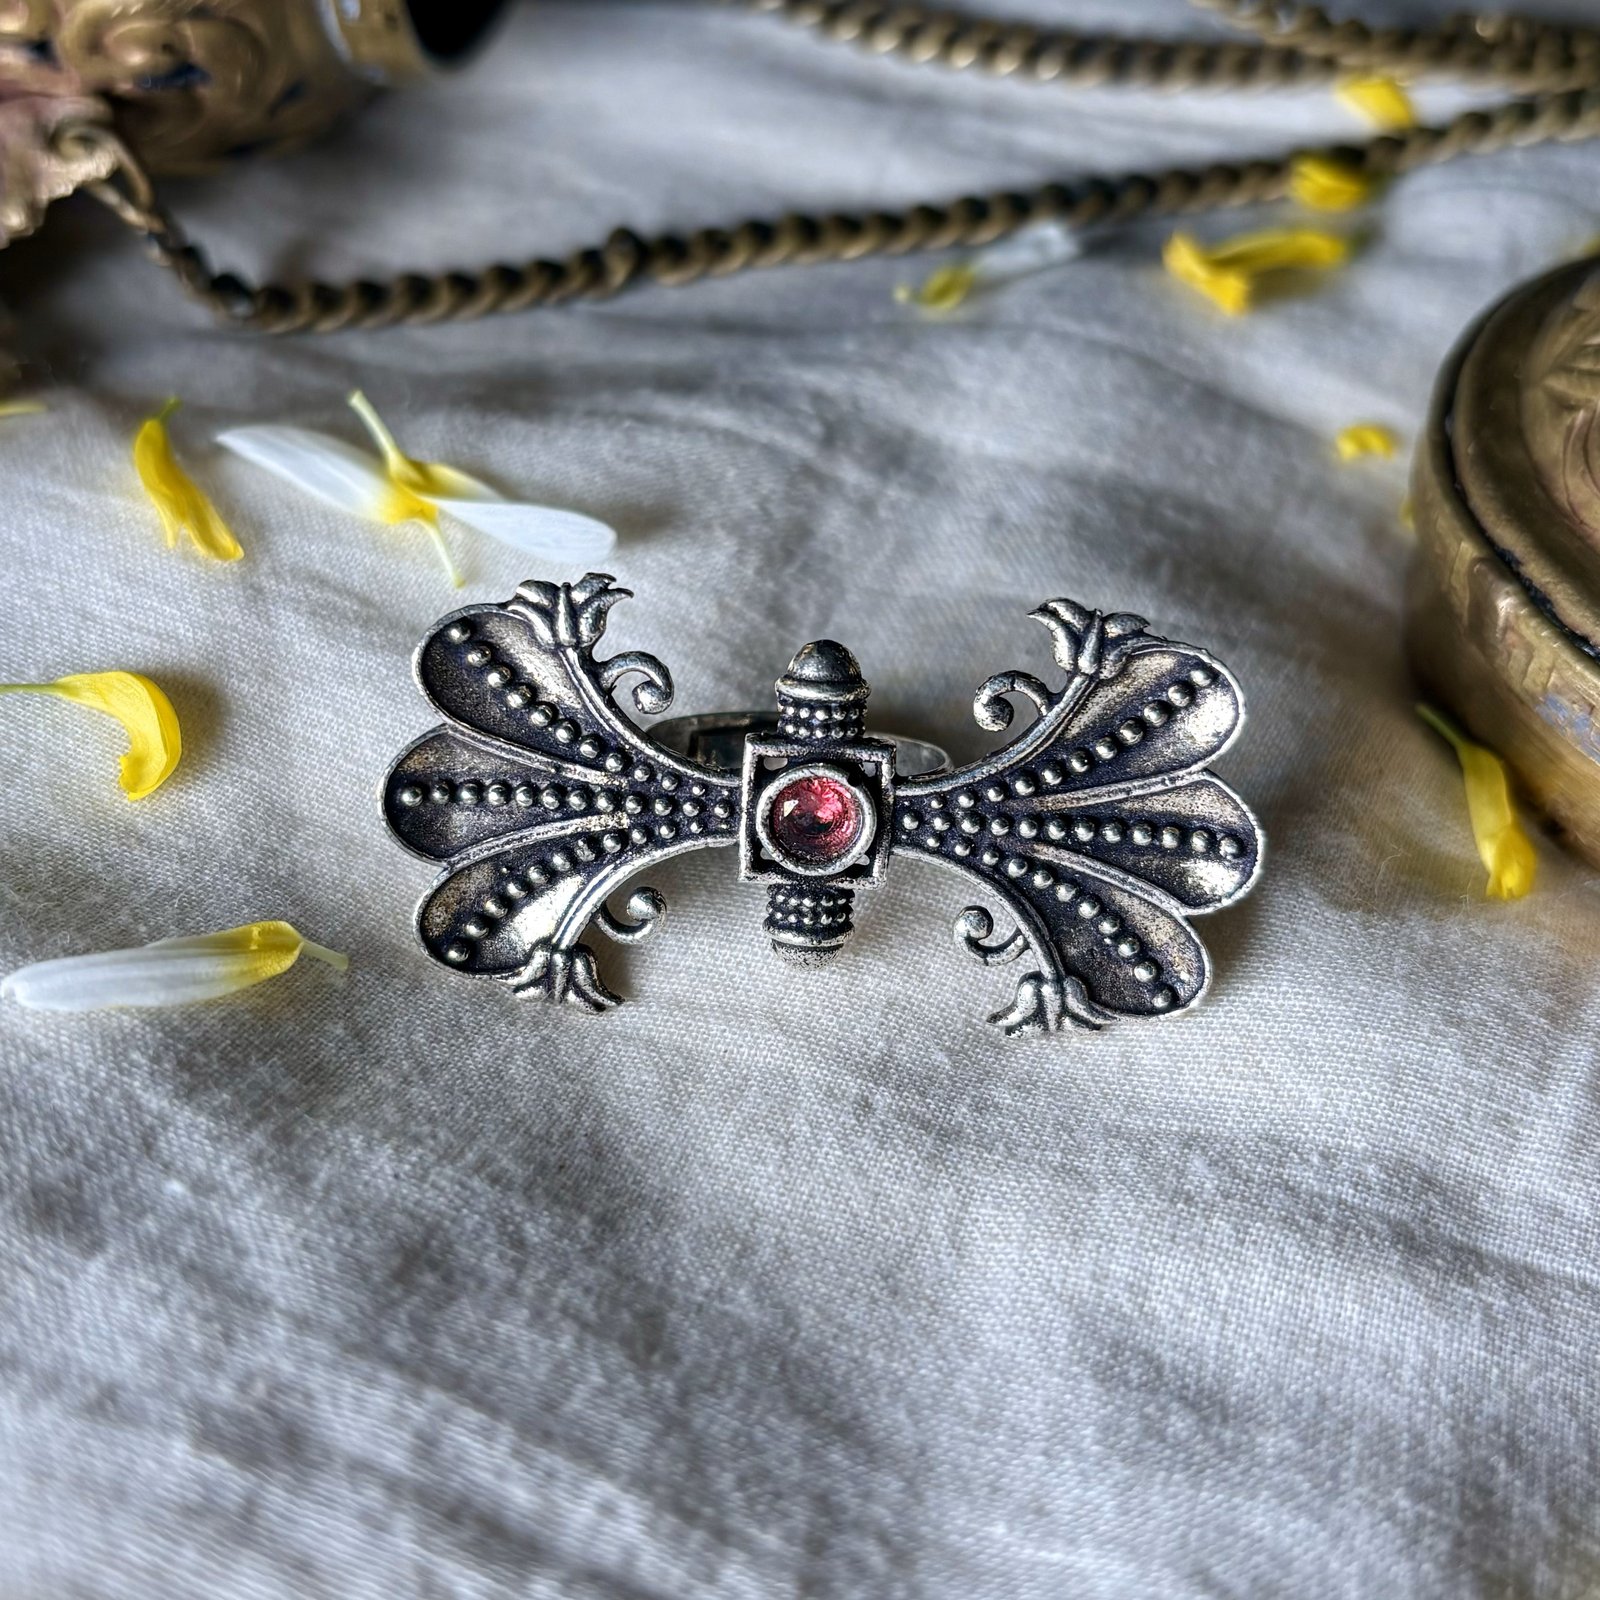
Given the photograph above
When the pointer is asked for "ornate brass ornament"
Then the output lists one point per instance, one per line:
(43, 156)
(1098, 827)
(1504, 600)
(191, 83)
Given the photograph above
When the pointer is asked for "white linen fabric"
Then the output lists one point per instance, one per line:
(774, 1283)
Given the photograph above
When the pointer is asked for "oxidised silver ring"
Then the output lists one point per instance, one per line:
(1098, 825)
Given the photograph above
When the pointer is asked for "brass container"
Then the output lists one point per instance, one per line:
(191, 83)
(1503, 607)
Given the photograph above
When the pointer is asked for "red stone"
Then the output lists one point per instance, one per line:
(815, 819)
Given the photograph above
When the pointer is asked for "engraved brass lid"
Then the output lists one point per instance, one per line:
(1524, 444)
(1504, 603)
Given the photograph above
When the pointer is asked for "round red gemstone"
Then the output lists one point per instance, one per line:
(815, 819)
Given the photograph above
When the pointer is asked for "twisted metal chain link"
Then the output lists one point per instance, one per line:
(1554, 69)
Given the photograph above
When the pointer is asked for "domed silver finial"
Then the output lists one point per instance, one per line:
(822, 695)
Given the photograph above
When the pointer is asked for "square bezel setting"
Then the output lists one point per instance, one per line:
(864, 767)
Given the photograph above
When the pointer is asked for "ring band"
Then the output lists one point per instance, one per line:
(717, 739)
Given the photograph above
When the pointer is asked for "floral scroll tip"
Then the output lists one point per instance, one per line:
(1366, 439)
(169, 972)
(155, 742)
(179, 501)
(1324, 183)
(1381, 101)
(1231, 272)
(1503, 846)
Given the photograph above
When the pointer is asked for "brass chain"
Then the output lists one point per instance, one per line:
(1294, 45)
(1554, 69)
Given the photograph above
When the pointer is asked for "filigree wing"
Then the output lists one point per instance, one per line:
(541, 794)
(1098, 825)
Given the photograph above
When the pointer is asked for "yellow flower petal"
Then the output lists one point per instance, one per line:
(1505, 850)
(1228, 272)
(942, 291)
(1325, 184)
(1382, 101)
(1189, 262)
(1365, 439)
(154, 740)
(1281, 250)
(22, 408)
(169, 972)
(182, 506)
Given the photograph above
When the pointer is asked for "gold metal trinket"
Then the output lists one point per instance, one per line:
(1503, 609)
(191, 83)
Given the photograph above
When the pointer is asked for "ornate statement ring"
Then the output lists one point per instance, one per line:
(1097, 826)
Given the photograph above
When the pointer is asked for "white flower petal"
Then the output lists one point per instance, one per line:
(170, 972)
(147, 977)
(334, 472)
(542, 531)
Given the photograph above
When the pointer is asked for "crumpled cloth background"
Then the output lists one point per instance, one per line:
(780, 1284)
